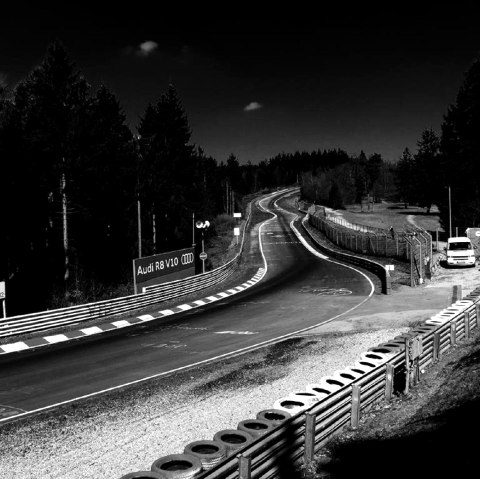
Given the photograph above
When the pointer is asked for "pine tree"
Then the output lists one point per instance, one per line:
(460, 150)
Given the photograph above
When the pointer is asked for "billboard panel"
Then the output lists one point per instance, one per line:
(161, 268)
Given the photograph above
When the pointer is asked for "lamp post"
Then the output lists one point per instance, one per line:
(203, 225)
(449, 211)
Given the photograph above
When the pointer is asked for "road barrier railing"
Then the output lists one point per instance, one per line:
(384, 370)
(376, 268)
(46, 320)
(56, 318)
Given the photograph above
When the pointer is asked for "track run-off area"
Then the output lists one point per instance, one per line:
(300, 289)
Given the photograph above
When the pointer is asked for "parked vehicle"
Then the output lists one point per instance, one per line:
(460, 252)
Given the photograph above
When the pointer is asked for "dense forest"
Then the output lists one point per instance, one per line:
(75, 179)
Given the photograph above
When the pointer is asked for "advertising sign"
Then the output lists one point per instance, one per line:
(162, 268)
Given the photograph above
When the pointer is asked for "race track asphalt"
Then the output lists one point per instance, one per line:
(300, 291)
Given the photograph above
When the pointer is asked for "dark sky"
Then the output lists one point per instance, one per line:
(257, 83)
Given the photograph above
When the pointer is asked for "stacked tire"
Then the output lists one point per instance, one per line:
(209, 452)
(233, 439)
(178, 466)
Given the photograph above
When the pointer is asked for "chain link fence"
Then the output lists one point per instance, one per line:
(411, 244)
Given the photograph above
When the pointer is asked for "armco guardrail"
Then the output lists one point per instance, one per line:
(29, 323)
(376, 268)
(375, 377)
(45, 320)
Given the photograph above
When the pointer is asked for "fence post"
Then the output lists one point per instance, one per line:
(436, 346)
(309, 438)
(244, 467)
(453, 333)
(355, 414)
(466, 320)
(457, 292)
(389, 374)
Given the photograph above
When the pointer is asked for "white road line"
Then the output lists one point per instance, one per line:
(121, 324)
(235, 332)
(13, 347)
(184, 307)
(57, 338)
(92, 330)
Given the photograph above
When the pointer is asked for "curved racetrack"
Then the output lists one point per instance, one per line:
(299, 291)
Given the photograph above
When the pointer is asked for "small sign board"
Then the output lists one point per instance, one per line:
(414, 347)
(2, 290)
(236, 231)
(203, 256)
(164, 267)
(389, 267)
(237, 215)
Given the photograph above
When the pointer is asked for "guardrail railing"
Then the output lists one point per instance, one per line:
(46, 320)
(379, 373)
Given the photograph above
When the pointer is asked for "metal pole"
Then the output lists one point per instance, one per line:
(450, 211)
(65, 228)
(139, 221)
(193, 229)
(154, 234)
(203, 251)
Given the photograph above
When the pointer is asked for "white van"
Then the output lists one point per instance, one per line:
(460, 252)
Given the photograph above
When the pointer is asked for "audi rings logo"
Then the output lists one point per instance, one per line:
(187, 258)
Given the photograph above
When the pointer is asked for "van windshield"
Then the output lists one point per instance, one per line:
(459, 246)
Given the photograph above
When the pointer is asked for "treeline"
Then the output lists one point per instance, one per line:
(445, 170)
(75, 179)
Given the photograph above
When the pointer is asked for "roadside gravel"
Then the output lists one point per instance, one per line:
(126, 431)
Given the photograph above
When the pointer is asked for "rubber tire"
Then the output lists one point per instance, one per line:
(297, 406)
(188, 473)
(208, 459)
(144, 475)
(271, 415)
(262, 427)
(220, 436)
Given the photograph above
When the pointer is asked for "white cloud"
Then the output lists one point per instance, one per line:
(253, 106)
(147, 48)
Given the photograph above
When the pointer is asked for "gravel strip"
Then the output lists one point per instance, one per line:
(126, 431)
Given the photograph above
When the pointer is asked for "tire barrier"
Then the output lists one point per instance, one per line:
(389, 347)
(255, 427)
(363, 364)
(292, 406)
(178, 466)
(308, 396)
(349, 374)
(376, 358)
(233, 439)
(320, 390)
(343, 397)
(424, 329)
(209, 452)
(144, 475)
(274, 416)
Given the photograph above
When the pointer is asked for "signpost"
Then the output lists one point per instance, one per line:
(3, 298)
(203, 225)
(203, 257)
